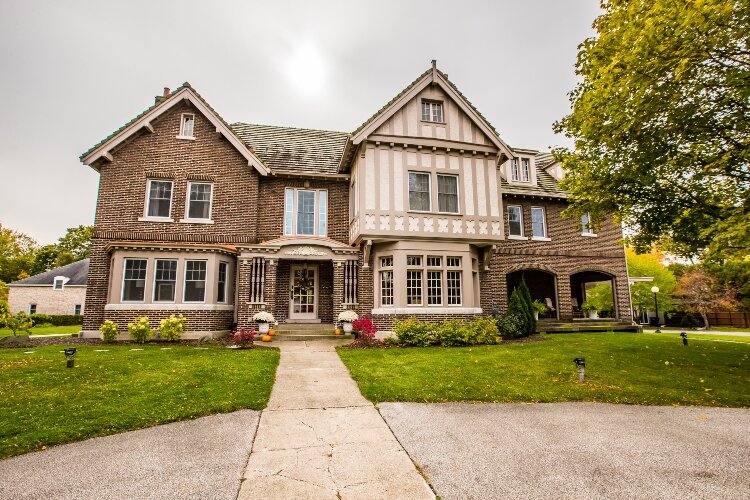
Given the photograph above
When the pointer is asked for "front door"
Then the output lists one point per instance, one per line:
(303, 281)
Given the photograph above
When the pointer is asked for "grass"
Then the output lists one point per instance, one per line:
(728, 329)
(44, 403)
(44, 330)
(620, 368)
(704, 336)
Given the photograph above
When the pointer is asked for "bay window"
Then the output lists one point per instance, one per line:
(386, 281)
(195, 281)
(134, 280)
(165, 280)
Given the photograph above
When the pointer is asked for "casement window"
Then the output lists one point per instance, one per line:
(538, 223)
(419, 191)
(515, 220)
(77, 310)
(200, 196)
(586, 227)
(221, 296)
(159, 202)
(453, 280)
(187, 126)
(414, 280)
(447, 193)
(165, 280)
(134, 280)
(434, 281)
(525, 170)
(432, 111)
(59, 283)
(305, 212)
(514, 172)
(195, 281)
(32, 308)
(386, 281)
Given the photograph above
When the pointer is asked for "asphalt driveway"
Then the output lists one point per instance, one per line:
(576, 450)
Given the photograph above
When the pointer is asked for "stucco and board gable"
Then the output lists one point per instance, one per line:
(352, 191)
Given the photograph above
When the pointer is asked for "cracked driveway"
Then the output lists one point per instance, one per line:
(319, 438)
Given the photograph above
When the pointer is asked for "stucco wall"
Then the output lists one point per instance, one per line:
(47, 300)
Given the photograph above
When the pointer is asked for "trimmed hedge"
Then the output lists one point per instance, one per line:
(449, 333)
(58, 319)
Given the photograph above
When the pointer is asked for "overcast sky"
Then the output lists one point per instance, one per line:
(71, 72)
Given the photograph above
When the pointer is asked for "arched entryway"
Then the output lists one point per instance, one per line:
(593, 295)
(542, 287)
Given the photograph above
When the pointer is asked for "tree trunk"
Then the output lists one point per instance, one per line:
(705, 320)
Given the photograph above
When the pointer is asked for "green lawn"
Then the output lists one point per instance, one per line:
(45, 330)
(620, 368)
(728, 329)
(43, 403)
(704, 336)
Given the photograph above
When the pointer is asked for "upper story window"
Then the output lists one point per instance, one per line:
(159, 202)
(525, 170)
(586, 227)
(195, 281)
(187, 126)
(305, 212)
(419, 191)
(134, 280)
(432, 111)
(514, 172)
(515, 220)
(538, 223)
(200, 196)
(59, 283)
(165, 280)
(447, 193)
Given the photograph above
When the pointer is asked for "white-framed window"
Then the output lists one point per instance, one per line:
(447, 193)
(59, 283)
(586, 227)
(134, 280)
(525, 170)
(514, 172)
(221, 295)
(515, 220)
(200, 198)
(386, 281)
(453, 280)
(165, 280)
(32, 308)
(538, 222)
(432, 111)
(195, 281)
(159, 198)
(77, 310)
(187, 126)
(419, 192)
(414, 280)
(434, 281)
(305, 212)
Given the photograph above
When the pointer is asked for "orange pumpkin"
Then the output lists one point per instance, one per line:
(272, 332)
(337, 331)
(266, 338)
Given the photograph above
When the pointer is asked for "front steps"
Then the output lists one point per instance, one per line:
(587, 325)
(308, 332)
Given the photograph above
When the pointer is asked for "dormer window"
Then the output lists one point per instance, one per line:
(432, 111)
(525, 170)
(59, 283)
(187, 126)
(514, 173)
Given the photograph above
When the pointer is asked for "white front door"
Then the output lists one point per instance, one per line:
(303, 284)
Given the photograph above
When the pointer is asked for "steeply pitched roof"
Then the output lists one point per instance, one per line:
(546, 185)
(77, 272)
(296, 150)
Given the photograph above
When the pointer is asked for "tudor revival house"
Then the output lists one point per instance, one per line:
(422, 211)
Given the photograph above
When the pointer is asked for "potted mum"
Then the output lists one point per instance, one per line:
(263, 318)
(346, 318)
(588, 307)
(539, 307)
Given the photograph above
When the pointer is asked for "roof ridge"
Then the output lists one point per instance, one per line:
(288, 127)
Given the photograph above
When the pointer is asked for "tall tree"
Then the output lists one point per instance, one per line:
(76, 242)
(701, 293)
(660, 122)
(650, 265)
(16, 254)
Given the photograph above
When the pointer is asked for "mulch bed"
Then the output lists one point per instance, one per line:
(379, 344)
(44, 341)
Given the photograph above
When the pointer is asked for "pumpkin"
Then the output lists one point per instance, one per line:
(337, 331)
(272, 332)
(266, 338)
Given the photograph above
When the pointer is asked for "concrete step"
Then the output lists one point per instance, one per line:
(593, 326)
(310, 336)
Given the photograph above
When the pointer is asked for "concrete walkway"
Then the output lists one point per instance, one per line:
(319, 438)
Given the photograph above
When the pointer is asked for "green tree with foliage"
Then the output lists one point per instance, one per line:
(701, 293)
(661, 124)
(650, 265)
(75, 242)
(16, 254)
(528, 307)
(733, 275)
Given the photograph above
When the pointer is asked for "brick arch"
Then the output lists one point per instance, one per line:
(531, 267)
(588, 268)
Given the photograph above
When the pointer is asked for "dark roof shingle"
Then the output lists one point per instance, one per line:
(78, 272)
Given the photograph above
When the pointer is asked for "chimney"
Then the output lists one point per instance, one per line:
(165, 94)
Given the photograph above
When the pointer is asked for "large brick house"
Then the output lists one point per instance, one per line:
(421, 211)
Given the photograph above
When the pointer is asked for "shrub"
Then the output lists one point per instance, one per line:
(140, 329)
(365, 328)
(528, 308)
(172, 328)
(452, 332)
(57, 319)
(483, 331)
(243, 337)
(511, 325)
(18, 323)
(109, 330)
(521, 310)
(413, 332)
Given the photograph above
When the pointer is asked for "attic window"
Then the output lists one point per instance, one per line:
(59, 283)
(187, 126)
(432, 111)
(525, 170)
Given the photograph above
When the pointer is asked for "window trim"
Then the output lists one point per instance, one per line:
(386, 269)
(78, 307)
(458, 193)
(507, 216)
(432, 102)
(527, 171)
(34, 305)
(429, 190)
(316, 213)
(147, 204)
(122, 291)
(545, 235)
(187, 218)
(58, 279)
(181, 135)
(226, 282)
(177, 273)
(184, 282)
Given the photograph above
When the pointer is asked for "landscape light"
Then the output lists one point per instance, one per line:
(684, 338)
(581, 364)
(69, 356)
(655, 290)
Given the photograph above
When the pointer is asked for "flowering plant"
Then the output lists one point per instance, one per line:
(140, 329)
(365, 328)
(109, 330)
(348, 316)
(243, 337)
(263, 317)
(173, 327)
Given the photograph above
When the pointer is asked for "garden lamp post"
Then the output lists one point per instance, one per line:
(655, 290)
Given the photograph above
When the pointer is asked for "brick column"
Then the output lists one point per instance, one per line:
(565, 305)
(338, 289)
(269, 293)
(97, 289)
(243, 292)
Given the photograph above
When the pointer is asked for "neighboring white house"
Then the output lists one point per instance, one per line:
(59, 291)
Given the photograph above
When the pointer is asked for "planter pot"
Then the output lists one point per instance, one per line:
(536, 315)
(347, 327)
(263, 328)
(266, 338)
(593, 314)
